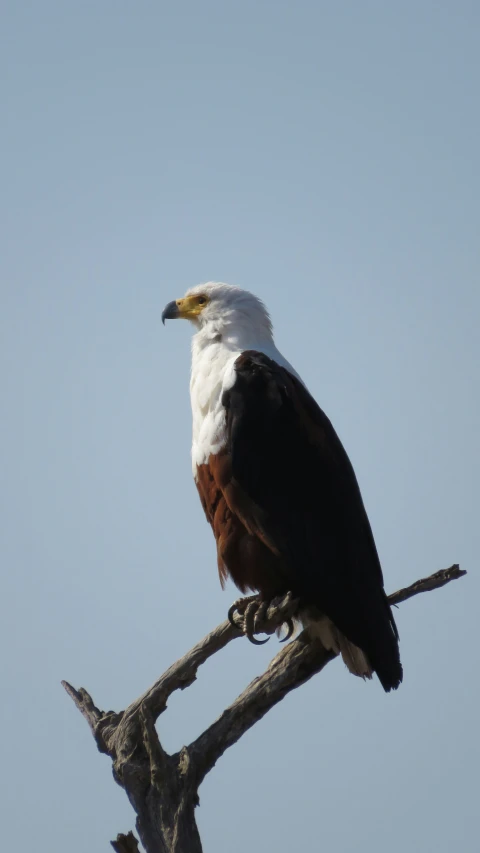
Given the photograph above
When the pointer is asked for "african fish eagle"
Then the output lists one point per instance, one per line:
(277, 486)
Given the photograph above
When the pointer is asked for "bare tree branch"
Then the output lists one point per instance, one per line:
(163, 788)
(434, 581)
(291, 667)
(184, 671)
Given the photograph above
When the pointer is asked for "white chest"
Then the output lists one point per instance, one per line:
(212, 374)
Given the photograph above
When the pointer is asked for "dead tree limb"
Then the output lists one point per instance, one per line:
(163, 788)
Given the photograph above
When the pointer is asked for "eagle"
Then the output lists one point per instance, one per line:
(277, 486)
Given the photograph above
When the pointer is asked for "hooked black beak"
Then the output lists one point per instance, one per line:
(170, 312)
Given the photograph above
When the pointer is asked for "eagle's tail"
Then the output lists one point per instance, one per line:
(376, 649)
(332, 639)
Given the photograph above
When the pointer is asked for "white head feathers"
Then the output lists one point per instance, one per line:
(239, 316)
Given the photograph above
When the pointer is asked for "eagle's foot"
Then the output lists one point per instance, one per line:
(253, 615)
(238, 608)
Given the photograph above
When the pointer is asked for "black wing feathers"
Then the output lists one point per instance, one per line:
(287, 458)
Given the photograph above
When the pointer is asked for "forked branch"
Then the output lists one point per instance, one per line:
(163, 788)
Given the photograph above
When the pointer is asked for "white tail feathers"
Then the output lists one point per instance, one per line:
(331, 638)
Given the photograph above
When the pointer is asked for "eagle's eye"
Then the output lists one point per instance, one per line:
(202, 300)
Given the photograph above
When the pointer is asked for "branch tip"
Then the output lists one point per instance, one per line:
(125, 843)
(435, 581)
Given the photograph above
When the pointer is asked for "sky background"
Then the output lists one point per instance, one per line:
(324, 155)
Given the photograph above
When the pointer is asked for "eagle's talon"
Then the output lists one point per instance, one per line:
(231, 616)
(290, 630)
(257, 642)
(238, 608)
(260, 615)
(249, 623)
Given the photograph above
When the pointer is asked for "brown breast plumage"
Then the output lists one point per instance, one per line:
(242, 552)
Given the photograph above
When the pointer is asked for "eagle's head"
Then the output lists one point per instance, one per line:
(221, 309)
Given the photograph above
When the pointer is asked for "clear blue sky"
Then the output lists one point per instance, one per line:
(326, 156)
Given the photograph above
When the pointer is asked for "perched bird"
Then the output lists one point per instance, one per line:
(277, 485)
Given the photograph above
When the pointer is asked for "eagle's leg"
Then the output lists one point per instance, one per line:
(253, 613)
